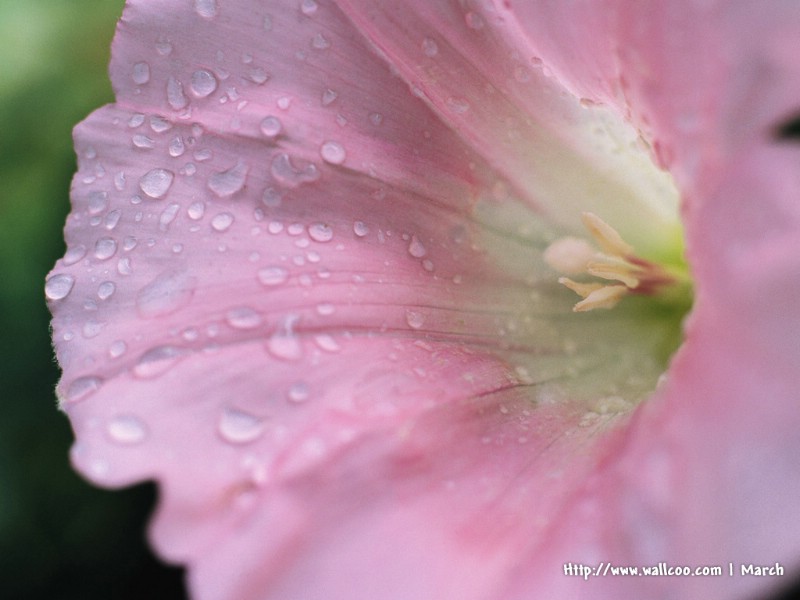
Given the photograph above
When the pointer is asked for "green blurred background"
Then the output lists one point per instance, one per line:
(60, 538)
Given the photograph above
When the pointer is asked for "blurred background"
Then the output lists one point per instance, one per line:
(60, 538)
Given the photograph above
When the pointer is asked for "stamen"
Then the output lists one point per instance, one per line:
(617, 262)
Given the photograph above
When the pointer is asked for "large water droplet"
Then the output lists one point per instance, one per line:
(333, 153)
(273, 275)
(203, 83)
(156, 182)
(74, 254)
(168, 292)
(239, 427)
(157, 361)
(127, 429)
(320, 232)
(140, 73)
(227, 183)
(292, 175)
(82, 387)
(222, 221)
(175, 96)
(105, 248)
(58, 286)
(243, 317)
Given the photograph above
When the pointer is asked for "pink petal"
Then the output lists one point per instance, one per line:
(313, 361)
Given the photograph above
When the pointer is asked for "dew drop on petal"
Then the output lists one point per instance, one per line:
(168, 292)
(196, 210)
(227, 183)
(168, 215)
(159, 124)
(157, 361)
(156, 182)
(271, 126)
(273, 275)
(360, 228)
(206, 8)
(82, 387)
(175, 96)
(320, 232)
(239, 427)
(141, 73)
(430, 47)
(333, 153)
(74, 254)
(298, 392)
(97, 202)
(142, 141)
(203, 83)
(176, 147)
(415, 319)
(285, 345)
(243, 317)
(308, 7)
(290, 174)
(117, 349)
(127, 429)
(222, 221)
(58, 287)
(105, 248)
(416, 248)
(106, 289)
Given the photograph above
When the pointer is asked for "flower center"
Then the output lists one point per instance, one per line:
(616, 261)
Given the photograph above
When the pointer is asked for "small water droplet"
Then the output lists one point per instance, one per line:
(127, 429)
(168, 215)
(203, 83)
(238, 427)
(142, 141)
(157, 361)
(430, 47)
(117, 349)
(474, 20)
(243, 317)
(175, 96)
(112, 219)
(106, 289)
(159, 124)
(92, 328)
(140, 73)
(333, 153)
(360, 228)
(227, 183)
(416, 248)
(328, 96)
(415, 319)
(176, 147)
(105, 248)
(285, 345)
(308, 7)
(327, 342)
(458, 105)
(74, 254)
(222, 221)
(273, 275)
(271, 126)
(272, 197)
(320, 42)
(58, 287)
(164, 48)
(196, 210)
(82, 387)
(320, 232)
(168, 292)
(293, 174)
(325, 309)
(156, 183)
(298, 392)
(206, 8)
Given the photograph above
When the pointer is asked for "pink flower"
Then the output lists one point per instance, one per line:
(306, 291)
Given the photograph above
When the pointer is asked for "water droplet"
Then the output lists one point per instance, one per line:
(105, 248)
(285, 345)
(271, 197)
(203, 83)
(239, 427)
(320, 232)
(168, 215)
(325, 309)
(222, 221)
(159, 124)
(298, 392)
(273, 275)
(142, 141)
(92, 328)
(271, 126)
(327, 342)
(243, 317)
(175, 96)
(415, 319)
(333, 153)
(157, 361)
(292, 175)
(106, 289)
(430, 47)
(140, 73)
(474, 20)
(117, 349)
(58, 287)
(227, 183)
(112, 219)
(259, 75)
(458, 105)
(360, 228)
(328, 96)
(164, 48)
(320, 42)
(97, 202)
(82, 387)
(156, 182)
(74, 254)
(176, 146)
(127, 429)
(196, 210)
(308, 7)
(416, 248)
(206, 8)
(168, 292)
(124, 266)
